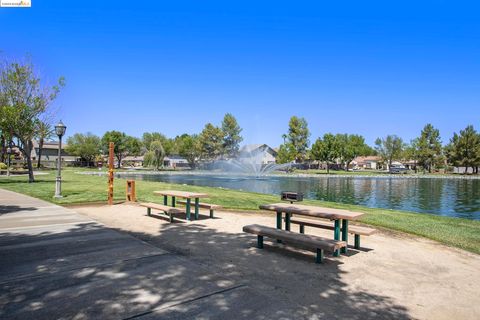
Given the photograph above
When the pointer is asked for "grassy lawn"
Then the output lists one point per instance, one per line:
(78, 188)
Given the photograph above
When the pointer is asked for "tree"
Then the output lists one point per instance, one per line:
(326, 149)
(154, 157)
(168, 144)
(351, 146)
(189, 147)
(231, 136)
(464, 149)
(297, 138)
(123, 145)
(23, 100)
(85, 146)
(411, 152)
(429, 148)
(211, 141)
(390, 148)
(285, 154)
(44, 132)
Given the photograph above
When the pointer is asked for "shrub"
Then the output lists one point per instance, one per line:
(3, 166)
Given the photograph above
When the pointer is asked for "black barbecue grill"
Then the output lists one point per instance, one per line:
(292, 196)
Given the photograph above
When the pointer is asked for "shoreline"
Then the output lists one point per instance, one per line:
(139, 172)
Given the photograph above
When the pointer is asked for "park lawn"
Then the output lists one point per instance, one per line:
(80, 188)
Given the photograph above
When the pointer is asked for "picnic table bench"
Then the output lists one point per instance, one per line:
(210, 207)
(316, 243)
(185, 195)
(355, 230)
(170, 211)
(337, 215)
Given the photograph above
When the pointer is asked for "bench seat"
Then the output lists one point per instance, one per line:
(305, 241)
(355, 230)
(203, 205)
(170, 211)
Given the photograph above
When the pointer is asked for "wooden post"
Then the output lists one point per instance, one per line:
(130, 192)
(110, 173)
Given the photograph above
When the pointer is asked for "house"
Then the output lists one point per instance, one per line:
(132, 161)
(49, 153)
(175, 161)
(265, 153)
(367, 162)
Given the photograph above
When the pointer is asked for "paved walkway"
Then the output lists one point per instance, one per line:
(56, 263)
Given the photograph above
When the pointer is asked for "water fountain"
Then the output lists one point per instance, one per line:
(250, 163)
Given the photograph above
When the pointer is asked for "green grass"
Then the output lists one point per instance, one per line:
(79, 188)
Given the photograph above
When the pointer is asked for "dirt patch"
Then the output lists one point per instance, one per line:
(393, 276)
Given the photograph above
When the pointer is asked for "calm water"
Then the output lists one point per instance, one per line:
(446, 197)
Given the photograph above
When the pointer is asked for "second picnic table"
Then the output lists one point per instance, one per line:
(185, 195)
(312, 211)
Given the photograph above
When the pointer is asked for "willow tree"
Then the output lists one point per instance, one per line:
(24, 98)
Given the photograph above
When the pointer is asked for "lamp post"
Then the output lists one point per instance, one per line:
(60, 131)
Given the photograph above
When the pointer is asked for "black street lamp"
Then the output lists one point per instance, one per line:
(60, 131)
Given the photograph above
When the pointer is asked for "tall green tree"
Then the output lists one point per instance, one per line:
(297, 138)
(231, 136)
(285, 154)
(154, 157)
(429, 146)
(390, 148)
(411, 152)
(211, 141)
(123, 145)
(85, 146)
(464, 149)
(189, 147)
(167, 143)
(24, 98)
(326, 149)
(351, 146)
(44, 132)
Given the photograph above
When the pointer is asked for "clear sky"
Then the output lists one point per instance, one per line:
(367, 67)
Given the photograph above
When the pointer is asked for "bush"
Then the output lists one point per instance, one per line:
(3, 166)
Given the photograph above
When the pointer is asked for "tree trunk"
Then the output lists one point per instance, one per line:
(119, 159)
(328, 168)
(346, 166)
(40, 147)
(27, 152)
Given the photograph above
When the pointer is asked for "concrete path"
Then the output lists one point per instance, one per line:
(58, 264)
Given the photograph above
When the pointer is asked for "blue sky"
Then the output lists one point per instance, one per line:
(367, 67)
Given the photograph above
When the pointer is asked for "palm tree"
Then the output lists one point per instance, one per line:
(44, 132)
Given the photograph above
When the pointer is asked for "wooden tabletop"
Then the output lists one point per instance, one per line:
(180, 194)
(312, 211)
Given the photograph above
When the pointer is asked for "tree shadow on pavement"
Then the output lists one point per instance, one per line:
(186, 271)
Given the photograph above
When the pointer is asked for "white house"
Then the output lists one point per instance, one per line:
(265, 153)
(368, 162)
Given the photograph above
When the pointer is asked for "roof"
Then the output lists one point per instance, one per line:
(249, 148)
(49, 144)
(365, 159)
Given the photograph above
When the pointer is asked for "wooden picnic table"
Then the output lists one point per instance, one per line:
(318, 212)
(185, 195)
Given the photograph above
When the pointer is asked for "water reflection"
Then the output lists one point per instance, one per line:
(447, 197)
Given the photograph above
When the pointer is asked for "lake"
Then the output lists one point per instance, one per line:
(451, 197)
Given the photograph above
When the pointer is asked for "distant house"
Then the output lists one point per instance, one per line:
(50, 153)
(367, 162)
(265, 153)
(175, 161)
(133, 161)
